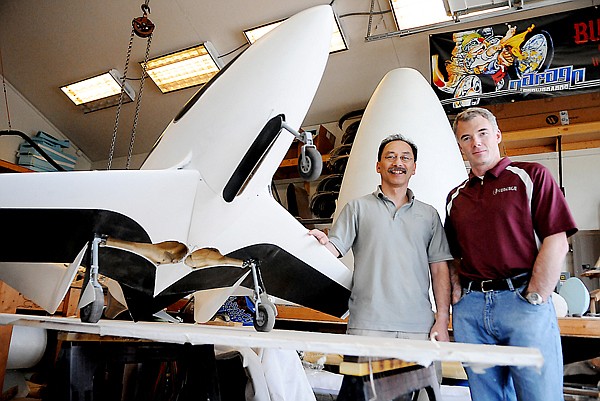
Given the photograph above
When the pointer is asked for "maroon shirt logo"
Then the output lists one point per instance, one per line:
(505, 189)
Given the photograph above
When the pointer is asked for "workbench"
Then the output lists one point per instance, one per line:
(387, 379)
(92, 368)
(581, 327)
(416, 352)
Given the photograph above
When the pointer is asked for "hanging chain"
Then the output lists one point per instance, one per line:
(114, 137)
(138, 103)
(143, 28)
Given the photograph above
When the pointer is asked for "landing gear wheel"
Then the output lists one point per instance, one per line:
(265, 318)
(92, 312)
(310, 167)
(264, 299)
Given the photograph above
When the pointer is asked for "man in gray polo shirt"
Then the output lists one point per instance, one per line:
(398, 243)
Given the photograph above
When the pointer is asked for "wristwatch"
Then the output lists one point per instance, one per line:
(534, 298)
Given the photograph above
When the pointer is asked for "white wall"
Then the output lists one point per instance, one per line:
(581, 180)
(26, 118)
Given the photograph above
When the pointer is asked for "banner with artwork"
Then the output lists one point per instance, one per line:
(554, 55)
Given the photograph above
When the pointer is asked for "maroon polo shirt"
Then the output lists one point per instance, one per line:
(497, 224)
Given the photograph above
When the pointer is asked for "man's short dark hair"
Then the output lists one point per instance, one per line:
(397, 137)
(473, 112)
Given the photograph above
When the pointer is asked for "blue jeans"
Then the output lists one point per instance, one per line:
(506, 318)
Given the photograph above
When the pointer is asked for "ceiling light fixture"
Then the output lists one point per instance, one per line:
(472, 8)
(184, 68)
(409, 14)
(338, 41)
(99, 92)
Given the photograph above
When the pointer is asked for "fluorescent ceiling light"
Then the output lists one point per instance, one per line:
(475, 7)
(338, 42)
(410, 14)
(185, 68)
(482, 12)
(94, 88)
(98, 92)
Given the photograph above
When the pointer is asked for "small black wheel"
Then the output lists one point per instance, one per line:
(311, 166)
(265, 318)
(92, 312)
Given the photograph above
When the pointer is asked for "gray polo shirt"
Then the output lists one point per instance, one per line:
(392, 251)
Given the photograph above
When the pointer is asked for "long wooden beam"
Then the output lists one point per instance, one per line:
(417, 351)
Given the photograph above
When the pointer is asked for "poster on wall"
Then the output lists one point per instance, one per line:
(554, 55)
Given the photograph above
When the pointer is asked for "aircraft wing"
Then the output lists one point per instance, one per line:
(52, 216)
(417, 351)
(293, 265)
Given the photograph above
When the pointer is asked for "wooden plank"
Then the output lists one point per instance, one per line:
(291, 312)
(533, 113)
(551, 132)
(533, 150)
(548, 119)
(374, 366)
(569, 326)
(579, 326)
(70, 306)
(591, 273)
(330, 359)
(514, 149)
(453, 370)
(417, 351)
(8, 167)
(8, 304)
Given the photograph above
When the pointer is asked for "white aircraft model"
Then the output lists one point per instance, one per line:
(199, 214)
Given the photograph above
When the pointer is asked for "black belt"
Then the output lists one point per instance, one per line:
(499, 284)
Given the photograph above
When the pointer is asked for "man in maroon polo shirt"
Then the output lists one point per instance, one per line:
(507, 227)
